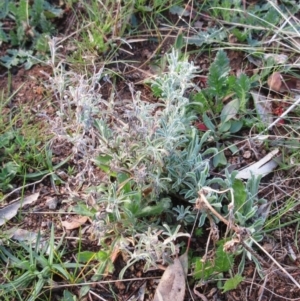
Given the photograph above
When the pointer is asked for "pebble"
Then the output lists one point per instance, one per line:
(52, 203)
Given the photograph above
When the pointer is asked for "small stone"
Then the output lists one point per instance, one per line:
(52, 203)
(120, 285)
(247, 154)
(44, 224)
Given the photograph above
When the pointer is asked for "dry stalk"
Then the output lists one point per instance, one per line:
(240, 232)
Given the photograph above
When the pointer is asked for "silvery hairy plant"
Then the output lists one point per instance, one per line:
(150, 150)
(156, 144)
(78, 100)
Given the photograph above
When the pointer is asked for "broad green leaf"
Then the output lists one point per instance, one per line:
(202, 103)
(224, 127)
(9, 61)
(235, 126)
(240, 218)
(102, 256)
(240, 35)
(86, 256)
(232, 283)
(37, 7)
(152, 210)
(203, 270)
(3, 35)
(208, 122)
(84, 290)
(67, 296)
(223, 263)
(103, 162)
(230, 110)
(22, 12)
(134, 202)
(233, 148)
(82, 209)
(211, 35)
(219, 159)
(4, 10)
(178, 10)
(52, 12)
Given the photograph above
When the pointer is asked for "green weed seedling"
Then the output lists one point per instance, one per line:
(21, 154)
(260, 19)
(213, 267)
(164, 152)
(151, 15)
(242, 212)
(34, 267)
(33, 21)
(222, 120)
(107, 22)
(149, 156)
(18, 155)
(48, 169)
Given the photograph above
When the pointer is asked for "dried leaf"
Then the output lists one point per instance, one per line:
(75, 223)
(11, 210)
(172, 284)
(262, 167)
(24, 235)
(184, 260)
(275, 81)
(263, 107)
(278, 58)
(180, 11)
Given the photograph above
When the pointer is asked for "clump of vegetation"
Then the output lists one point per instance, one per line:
(150, 153)
(22, 147)
(25, 27)
(222, 87)
(162, 165)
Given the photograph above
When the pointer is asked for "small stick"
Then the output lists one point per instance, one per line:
(213, 210)
(24, 186)
(279, 118)
(276, 263)
(237, 230)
